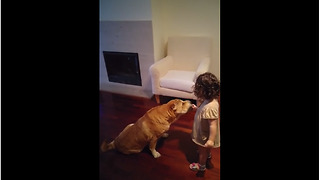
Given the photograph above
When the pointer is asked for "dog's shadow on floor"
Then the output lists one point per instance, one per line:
(186, 145)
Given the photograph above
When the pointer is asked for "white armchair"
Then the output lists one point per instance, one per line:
(174, 75)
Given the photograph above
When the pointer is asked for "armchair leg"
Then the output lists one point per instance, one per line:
(157, 98)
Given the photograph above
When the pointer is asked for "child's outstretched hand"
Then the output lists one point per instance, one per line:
(194, 107)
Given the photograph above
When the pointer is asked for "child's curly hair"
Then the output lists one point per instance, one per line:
(207, 86)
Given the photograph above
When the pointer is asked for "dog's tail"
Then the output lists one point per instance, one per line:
(105, 146)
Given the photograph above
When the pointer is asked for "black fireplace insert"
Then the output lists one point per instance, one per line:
(123, 67)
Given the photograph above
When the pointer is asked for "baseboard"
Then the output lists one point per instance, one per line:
(126, 89)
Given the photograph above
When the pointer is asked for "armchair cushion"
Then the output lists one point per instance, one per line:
(179, 80)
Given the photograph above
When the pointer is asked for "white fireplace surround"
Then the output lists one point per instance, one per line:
(127, 36)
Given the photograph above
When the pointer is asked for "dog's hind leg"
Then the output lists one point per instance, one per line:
(152, 147)
(105, 146)
(125, 129)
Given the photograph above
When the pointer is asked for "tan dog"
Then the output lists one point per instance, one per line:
(148, 129)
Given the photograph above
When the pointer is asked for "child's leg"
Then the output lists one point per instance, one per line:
(209, 153)
(203, 155)
(209, 164)
(203, 161)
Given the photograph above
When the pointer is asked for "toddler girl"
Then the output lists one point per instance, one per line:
(205, 131)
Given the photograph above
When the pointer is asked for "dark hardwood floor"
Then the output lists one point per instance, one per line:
(177, 151)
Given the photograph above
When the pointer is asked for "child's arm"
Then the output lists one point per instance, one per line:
(198, 103)
(194, 107)
(213, 131)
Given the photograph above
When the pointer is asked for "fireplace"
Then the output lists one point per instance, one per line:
(123, 67)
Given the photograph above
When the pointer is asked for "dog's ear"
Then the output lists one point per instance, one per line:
(173, 106)
(174, 103)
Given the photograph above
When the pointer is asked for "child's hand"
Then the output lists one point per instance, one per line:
(194, 107)
(209, 144)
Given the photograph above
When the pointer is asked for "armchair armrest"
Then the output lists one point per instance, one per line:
(159, 69)
(202, 67)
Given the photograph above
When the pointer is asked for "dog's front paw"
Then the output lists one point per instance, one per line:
(156, 154)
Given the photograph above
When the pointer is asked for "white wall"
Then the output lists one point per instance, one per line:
(125, 10)
(187, 17)
(159, 28)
